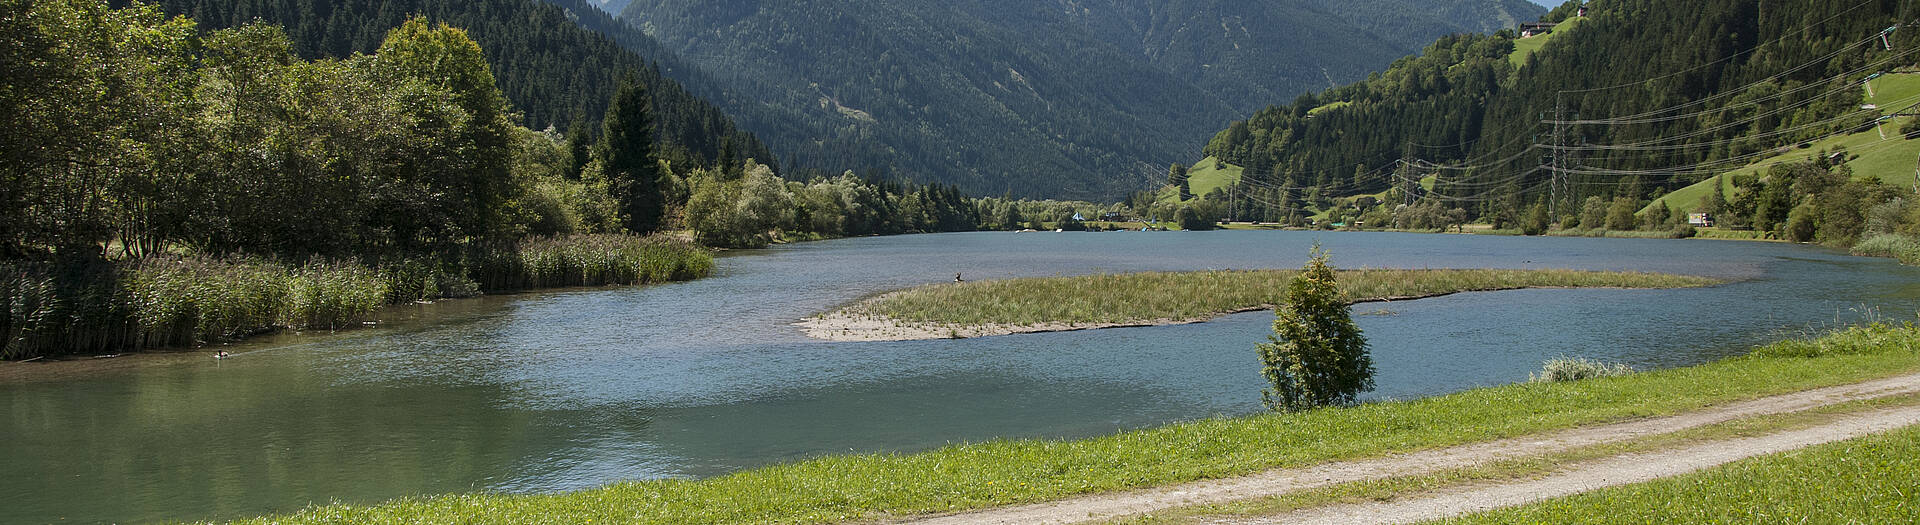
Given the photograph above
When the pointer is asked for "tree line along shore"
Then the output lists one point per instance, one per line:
(170, 185)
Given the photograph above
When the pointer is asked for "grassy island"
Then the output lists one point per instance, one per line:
(1047, 304)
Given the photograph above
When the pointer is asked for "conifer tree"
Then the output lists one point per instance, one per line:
(1316, 355)
(1177, 176)
(626, 155)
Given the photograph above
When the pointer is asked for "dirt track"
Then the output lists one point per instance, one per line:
(1618, 470)
(1104, 506)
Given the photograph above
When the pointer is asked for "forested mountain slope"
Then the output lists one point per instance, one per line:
(1638, 97)
(554, 71)
(1059, 98)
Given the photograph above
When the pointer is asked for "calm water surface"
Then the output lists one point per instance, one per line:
(574, 389)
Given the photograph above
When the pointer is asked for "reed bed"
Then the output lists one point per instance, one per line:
(1155, 296)
(591, 260)
(106, 307)
(1903, 247)
(94, 307)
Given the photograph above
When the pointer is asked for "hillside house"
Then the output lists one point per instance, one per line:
(1528, 29)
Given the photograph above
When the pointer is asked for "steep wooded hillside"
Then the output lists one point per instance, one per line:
(1078, 99)
(1637, 98)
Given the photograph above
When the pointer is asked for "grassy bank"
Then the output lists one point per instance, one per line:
(1863, 480)
(840, 488)
(97, 307)
(1141, 297)
(1735, 235)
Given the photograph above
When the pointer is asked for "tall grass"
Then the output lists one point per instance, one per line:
(1872, 337)
(99, 307)
(1577, 368)
(590, 260)
(105, 307)
(1902, 247)
(1149, 296)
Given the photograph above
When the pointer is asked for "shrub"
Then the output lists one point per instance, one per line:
(1194, 218)
(1577, 368)
(1536, 221)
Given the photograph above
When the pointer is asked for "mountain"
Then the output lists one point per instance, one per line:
(554, 71)
(1649, 99)
(1057, 98)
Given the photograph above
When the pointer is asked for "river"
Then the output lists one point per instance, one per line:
(573, 389)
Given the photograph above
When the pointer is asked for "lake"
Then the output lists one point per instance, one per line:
(573, 389)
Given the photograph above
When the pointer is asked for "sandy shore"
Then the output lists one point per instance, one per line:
(852, 325)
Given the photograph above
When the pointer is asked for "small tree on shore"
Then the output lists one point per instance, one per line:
(1316, 355)
(1536, 221)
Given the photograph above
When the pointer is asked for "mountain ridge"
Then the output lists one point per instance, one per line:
(1064, 98)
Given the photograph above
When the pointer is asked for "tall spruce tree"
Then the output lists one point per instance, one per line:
(626, 155)
(1177, 176)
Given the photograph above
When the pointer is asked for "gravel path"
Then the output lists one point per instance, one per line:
(1619, 470)
(1281, 481)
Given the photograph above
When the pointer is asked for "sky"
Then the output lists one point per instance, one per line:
(1549, 4)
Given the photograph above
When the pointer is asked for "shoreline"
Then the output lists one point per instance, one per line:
(64, 367)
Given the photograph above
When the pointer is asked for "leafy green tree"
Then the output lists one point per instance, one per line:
(1197, 217)
(94, 103)
(739, 212)
(1316, 355)
(1658, 216)
(1593, 213)
(1620, 214)
(1843, 212)
(626, 155)
(1536, 221)
(1802, 223)
(459, 174)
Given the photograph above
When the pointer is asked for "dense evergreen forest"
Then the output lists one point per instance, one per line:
(1630, 101)
(1036, 99)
